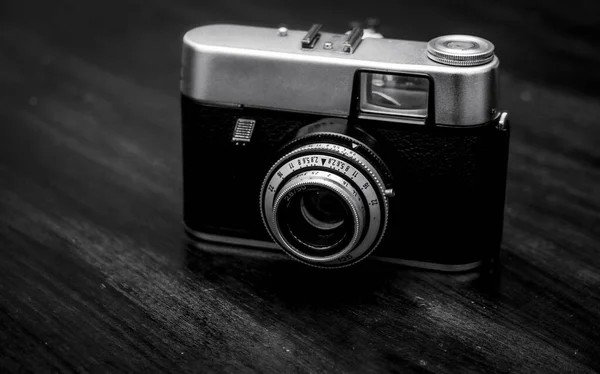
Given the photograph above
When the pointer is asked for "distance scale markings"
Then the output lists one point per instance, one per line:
(314, 174)
(329, 162)
(321, 173)
(335, 164)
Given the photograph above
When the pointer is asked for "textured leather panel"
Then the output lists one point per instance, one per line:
(449, 187)
(449, 182)
(222, 181)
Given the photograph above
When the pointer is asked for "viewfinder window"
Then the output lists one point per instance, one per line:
(394, 95)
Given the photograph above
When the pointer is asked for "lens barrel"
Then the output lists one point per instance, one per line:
(324, 203)
(309, 238)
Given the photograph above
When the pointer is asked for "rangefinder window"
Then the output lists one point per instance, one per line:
(394, 95)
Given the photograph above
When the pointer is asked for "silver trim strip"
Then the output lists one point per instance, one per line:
(431, 265)
(232, 241)
(253, 66)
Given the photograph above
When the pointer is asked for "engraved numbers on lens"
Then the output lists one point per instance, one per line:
(332, 163)
(293, 192)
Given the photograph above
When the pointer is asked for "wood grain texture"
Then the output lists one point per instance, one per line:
(95, 272)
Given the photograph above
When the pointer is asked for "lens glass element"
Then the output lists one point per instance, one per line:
(322, 209)
(316, 220)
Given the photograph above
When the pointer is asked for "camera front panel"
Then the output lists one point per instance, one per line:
(448, 182)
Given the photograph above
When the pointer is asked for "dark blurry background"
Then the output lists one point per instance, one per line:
(554, 43)
(93, 272)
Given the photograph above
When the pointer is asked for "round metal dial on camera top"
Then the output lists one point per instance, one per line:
(460, 50)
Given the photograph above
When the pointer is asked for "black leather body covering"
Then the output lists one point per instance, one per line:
(449, 183)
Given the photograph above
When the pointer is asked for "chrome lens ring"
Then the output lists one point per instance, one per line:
(332, 183)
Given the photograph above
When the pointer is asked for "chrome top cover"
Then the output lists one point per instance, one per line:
(263, 68)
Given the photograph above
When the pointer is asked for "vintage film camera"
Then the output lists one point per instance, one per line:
(333, 146)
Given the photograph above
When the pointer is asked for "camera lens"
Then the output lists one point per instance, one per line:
(316, 221)
(322, 209)
(317, 218)
(325, 204)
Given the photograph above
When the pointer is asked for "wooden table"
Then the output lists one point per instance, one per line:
(95, 273)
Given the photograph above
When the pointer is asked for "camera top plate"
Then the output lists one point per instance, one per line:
(265, 68)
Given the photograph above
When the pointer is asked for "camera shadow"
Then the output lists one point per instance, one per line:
(274, 275)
